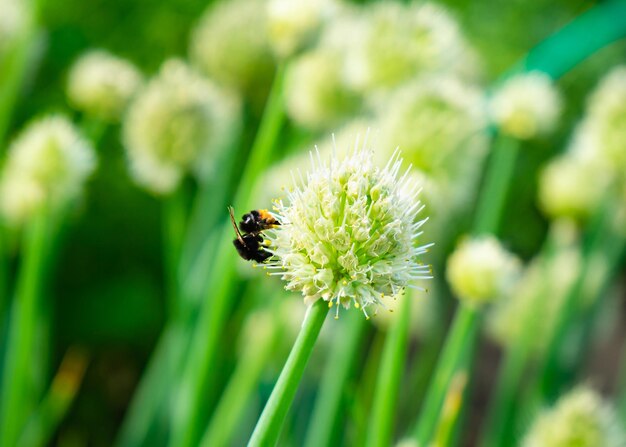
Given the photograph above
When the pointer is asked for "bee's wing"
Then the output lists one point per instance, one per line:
(231, 211)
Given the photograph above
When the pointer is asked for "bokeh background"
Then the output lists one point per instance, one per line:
(105, 288)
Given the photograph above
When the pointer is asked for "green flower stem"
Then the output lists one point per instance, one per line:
(270, 423)
(267, 135)
(174, 224)
(503, 405)
(55, 404)
(14, 67)
(585, 35)
(341, 360)
(388, 382)
(460, 339)
(621, 396)
(18, 399)
(212, 195)
(361, 402)
(492, 200)
(196, 392)
(466, 322)
(548, 385)
(555, 56)
(149, 399)
(614, 247)
(239, 390)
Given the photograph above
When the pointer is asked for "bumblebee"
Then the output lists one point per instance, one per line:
(249, 242)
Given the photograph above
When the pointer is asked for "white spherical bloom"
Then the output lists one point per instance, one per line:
(606, 118)
(316, 95)
(102, 84)
(397, 41)
(46, 166)
(231, 45)
(292, 23)
(349, 233)
(438, 123)
(565, 189)
(481, 270)
(582, 419)
(526, 105)
(13, 19)
(177, 124)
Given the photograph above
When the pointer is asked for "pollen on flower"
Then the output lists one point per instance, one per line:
(350, 232)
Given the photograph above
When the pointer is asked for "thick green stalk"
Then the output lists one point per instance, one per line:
(55, 404)
(196, 392)
(465, 326)
(621, 391)
(153, 390)
(459, 340)
(555, 56)
(18, 397)
(361, 402)
(14, 66)
(585, 35)
(271, 421)
(341, 360)
(212, 195)
(614, 247)
(174, 223)
(239, 390)
(502, 407)
(492, 199)
(549, 369)
(388, 383)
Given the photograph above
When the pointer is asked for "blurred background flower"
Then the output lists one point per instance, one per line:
(128, 127)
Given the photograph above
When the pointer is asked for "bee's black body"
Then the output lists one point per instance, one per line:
(256, 221)
(249, 242)
(250, 248)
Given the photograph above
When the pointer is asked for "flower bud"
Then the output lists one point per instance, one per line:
(230, 44)
(581, 418)
(526, 106)
(13, 19)
(101, 84)
(565, 189)
(397, 41)
(291, 24)
(47, 166)
(316, 95)
(178, 124)
(481, 270)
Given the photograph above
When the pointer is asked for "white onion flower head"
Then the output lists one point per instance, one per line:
(606, 117)
(480, 270)
(565, 189)
(350, 233)
(13, 19)
(102, 84)
(316, 95)
(177, 124)
(292, 23)
(581, 418)
(436, 121)
(231, 45)
(526, 106)
(47, 166)
(398, 41)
